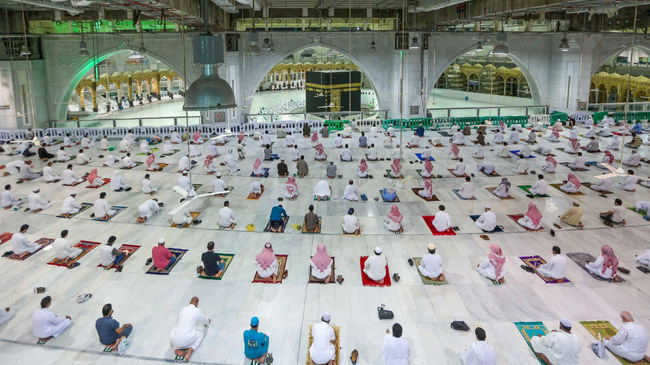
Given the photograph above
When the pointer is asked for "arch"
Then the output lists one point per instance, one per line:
(620, 48)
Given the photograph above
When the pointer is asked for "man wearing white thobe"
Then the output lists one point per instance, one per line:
(7, 199)
(49, 175)
(513, 138)
(480, 352)
(521, 166)
(631, 341)
(459, 170)
(147, 185)
(322, 349)
(36, 202)
(558, 347)
(69, 177)
(555, 268)
(218, 184)
(184, 183)
(629, 184)
(102, 210)
(633, 160)
(578, 162)
(540, 187)
(62, 156)
(458, 138)
(182, 217)
(125, 146)
(289, 141)
(21, 245)
(82, 158)
(351, 192)
(467, 189)
(266, 138)
(338, 141)
(63, 249)
(431, 264)
(13, 167)
(187, 336)
(176, 137)
(372, 153)
(395, 350)
(184, 163)
(127, 162)
(70, 205)
(294, 153)
(375, 266)
(227, 216)
(87, 142)
(346, 154)
(350, 222)
(46, 324)
(118, 183)
(487, 221)
(103, 143)
(148, 208)
(442, 221)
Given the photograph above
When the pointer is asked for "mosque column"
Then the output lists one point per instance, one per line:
(94, 94)
(82, 104)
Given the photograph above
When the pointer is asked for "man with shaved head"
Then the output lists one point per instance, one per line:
(631, 341)
(186, 337)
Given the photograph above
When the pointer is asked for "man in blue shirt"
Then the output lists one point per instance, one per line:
(420, 131)
(278, 214)
(363, 141)
(109, 331)
(256, 344)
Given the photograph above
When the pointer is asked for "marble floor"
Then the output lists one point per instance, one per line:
(151, 302)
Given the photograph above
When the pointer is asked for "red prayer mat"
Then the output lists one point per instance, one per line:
(85, 247)
(369, 282)
(128, 249)
(428, 219)
(106, 181)
(516, 217)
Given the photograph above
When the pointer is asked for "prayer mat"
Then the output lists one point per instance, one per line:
(72, 158)
(313, 280)
(516, 153)
(389, 201)
(452, 172)
(250, 196)
(491, 190)
(419, 156)
(340, 159)
(159, 168)
(229, 188)
(128, 250)
(304, 230)
(497, 229)
(76, 183)
(444, 133)
(227, 259)
(85, 247)
(641, 212)
(526, 188)
(282, 227)
(41, 241)
(282, 264)
(351, 234)
(419, 171)
(535, 261)
(129, 168)
(581, 259)
(117, 210)
(426, 280)
(84, 207)
(588, 185)
(434, 198)
(530, 330)
(326, 199)
(5, 237)
(106, 181)
(175, 151)
(369, 160)
(557, 186)
(457, 192)
(178, 253)
(516, 217)
(107, 349)
(194, 216)
(369, 282)
(153, 150)
(43, 341)
(604, 328)
(337, 345)
(265, 174)
(573, 169)
(389, 173)
(428, 220)
(560, 149)
(596, 164)
(196, 186)
(495, 175)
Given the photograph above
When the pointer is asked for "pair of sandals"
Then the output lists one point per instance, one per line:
(396, 277)
(339, 279)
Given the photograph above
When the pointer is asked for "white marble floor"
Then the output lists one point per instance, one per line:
(151, 302)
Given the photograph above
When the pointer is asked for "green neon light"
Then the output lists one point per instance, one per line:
(401, 55)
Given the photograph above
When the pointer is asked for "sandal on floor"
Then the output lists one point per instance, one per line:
(396, 277)
(354, 356)
(552, 232)
(624, 270)
(557, 226)
(339, 279)
(410, 262)
(485, 237)
(285, 274)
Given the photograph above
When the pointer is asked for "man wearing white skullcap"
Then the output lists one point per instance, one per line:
(558, 347)
(375, 266)
(218, 184)
(487, 221)
(36, 202)
(163, 259)
(322, 350)
(431, 264)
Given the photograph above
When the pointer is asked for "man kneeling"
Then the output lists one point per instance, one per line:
(375, 266)
(431, 264)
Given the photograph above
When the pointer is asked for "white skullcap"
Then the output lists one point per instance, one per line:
(36, 190)
(431, 246)
(377, 250)
(326, 317)
(161, 241)
(487, 206)
(73, 193)
(218, 174)
(565, 323)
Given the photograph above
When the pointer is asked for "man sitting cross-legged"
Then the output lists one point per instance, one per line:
(109, 331)
(213, 264)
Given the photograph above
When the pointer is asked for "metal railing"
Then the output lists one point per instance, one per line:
(618, 107)
(484, 111)
(125, 122)
(273, 117)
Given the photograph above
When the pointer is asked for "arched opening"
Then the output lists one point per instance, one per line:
(615, 72)
(512, 87)
(602, 94)
(612, 96)
(338, 88)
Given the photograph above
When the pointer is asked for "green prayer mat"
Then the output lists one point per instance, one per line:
(426, 280)
(641, 212)
(604, 328)
(227, 258)
(153, 150)
(526, 188)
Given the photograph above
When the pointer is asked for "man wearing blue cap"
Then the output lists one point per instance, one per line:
(256, 344)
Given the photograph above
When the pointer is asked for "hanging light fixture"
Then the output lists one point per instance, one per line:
(564, 44)
(479, 46)
(253, 48)
(142, 50)
(415, 44)
(83, 52)
(24, 51)
(372, 45)
(265, 45)
(501, 49)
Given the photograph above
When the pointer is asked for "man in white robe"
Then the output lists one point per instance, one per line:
(184, 163)
(63, 249)
(218, 184)
(46, 324)
(578, 162)
(176, 137)
(350, 223)
(294, 153)
(521, 167)
(431, 264)
(466, 190)
(13, 167)
(487, 168)
(70, 205)
(631, 340)
(118, 183)
(459, 170)
(125, 145)
(442, 221)
(148, 209)
(633, 160)
(147, 185)
(480, 352)
(49, 175)
(375, 266)
(351, 192)
(558, 347)
(82, 158)
(111, 160)
(127, 161)
(458, 138)
(187, 336)
(102, 210)
(540, 187)
(372, 153)
(103, 143)
(21, 245)
(36, 202)
(289, 140)
(7, 199)
(184, 182)
(69, 177)
(555, 268)
(487, 221)
(322, 349)
(395, 350)
(513, 138)
(346, 154)
(182, 217)
(266, 138)
(61, 155)
(505, 151)
(629, 184)
(227, 216)
(167, 148)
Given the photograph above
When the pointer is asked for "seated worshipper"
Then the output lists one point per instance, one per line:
(578, 162)
(70, 205)
(227, 216)
(395, 350)
(362, 170)
(498, 138)
(289, 140)
(614, 215)
(574, 146)
(130, 136)
(231, 161)
(346, 154)
(633, 160)
(414, 142)
(322, 190)
(283, 169)
(573, 215)
(419, 131)
(544, 150)
(458, 138)
(558, 347)
(555, 136)
(532, 137)
(454, 128)
(555, 268)
(103, 143)
(637, 128)
(188, 334)
(480, 137)
(322, 350)
(213, 264)
(321, 264)
(428, 169)
(606, 265)
(573, 133)
(94, 180)
(375, 266)
(43, 153)
(571, 185)
(45, 324)
(266, 139)
(479, 153)
(167, 148)
(589, 122)
(213, 150)
(144, 147)
(631, 340)
(363, 140)
(148, 209)
(558, 125)
(395, 169)
(102, 210)
(118, 183)
(487, 221)
(550, 164)
(350, 223)
(61, 155)
(372, 153)
(312, 222)
(27, 172)
(393, 221)
(257, 135)
(184, 183)
(505, 151)
(49, 175)
(635, 142)
(278, 214)
(540, 187)
(267, 264)
(258, 169)
(294, 153)
(320, 153)
(397, 152)
(453, 152)
(480, 352)
(503, 190)
(388, 142)
(176, 137)
(111, 160)
(487, 168)
(442, 221)
(642, 206)
(459, 170)
(513, 138)
(427, 191)
(36, 202)
(69, 177)
(196, 138)
(351, 192)
(331, 170)
(127, 161)
(7, 199)
(431, 264)
(466, 190)
(525, 151)
(256, 189)
(521, 166)
(593, 145)
(110, 333)
(291, 188)
(163, 259)
(147, 185)
(208, 165)
(389, 193)
(532, 219)
(373, 132)
(184, 163)
(63, 249)
(20, 245)
(194, 151)
(436, 142)
(338, 141)
(493, 267)
(629, 184)
(466, 130)
(256, 344)
(109, 255)
(314, 137)
(125, 145)
(218, 184)
(426, 153)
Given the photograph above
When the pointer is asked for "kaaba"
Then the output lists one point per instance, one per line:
(340, 88)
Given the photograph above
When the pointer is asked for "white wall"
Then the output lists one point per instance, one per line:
(17, 93)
